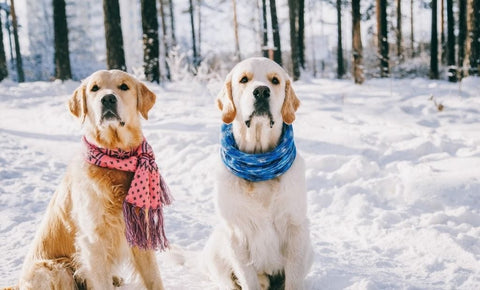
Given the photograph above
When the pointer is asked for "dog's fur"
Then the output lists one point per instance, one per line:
(82, 237)
(264, 230)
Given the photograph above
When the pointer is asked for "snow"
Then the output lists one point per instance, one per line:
(393, 186)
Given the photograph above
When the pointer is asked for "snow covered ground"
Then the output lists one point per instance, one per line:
(393, 183)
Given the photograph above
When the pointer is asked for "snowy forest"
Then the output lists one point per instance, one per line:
(388, 125)
(161, 40)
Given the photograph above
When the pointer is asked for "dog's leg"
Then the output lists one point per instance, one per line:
(299, 256)
(146, 265)
(242, 267)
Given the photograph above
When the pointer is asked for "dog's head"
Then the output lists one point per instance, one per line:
(109, 103)
(258, 90)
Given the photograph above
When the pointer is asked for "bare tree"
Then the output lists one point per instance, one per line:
(452, 70)
(357, 48)
(382, 37)
(235, 30)
(62, 56)
(172, 23)
(265, 29)
(399, 31)
(412, 38)
(3, 59)
(277, 53)
(150, 40)
(434, 43)
(301, 33)
(196, 60)
(462, 34)
(293, 17)
(113, 35)
(164, 38)
(474, 41)
(340, 66)
(20, 74)
(443, 40)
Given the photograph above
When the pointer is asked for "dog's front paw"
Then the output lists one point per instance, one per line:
(117, 281)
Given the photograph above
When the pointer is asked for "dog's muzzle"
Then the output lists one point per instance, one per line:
(261, 105)
(109, 108)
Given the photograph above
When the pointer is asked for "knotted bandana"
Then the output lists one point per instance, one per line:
(262, 166)
(148, 192)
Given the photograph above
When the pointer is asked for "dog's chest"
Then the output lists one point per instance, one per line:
(113, 185)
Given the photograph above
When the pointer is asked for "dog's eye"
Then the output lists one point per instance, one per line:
(124, 87)
(94, 88)
(275, 81)
(244, 80)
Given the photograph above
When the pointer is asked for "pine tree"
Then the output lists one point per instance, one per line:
(462, 34)
(434, 43)
(150, 40)
(357, 49)
(382, 37)
(113, 35)
(3, 59)
(62, 55)
(277, 53)
(293, 16)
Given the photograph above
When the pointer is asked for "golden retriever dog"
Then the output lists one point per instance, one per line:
(81, 240)
(263, 236)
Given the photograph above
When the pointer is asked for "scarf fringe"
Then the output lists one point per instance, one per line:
(144, 227)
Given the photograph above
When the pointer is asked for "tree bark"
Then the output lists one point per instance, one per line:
(340, 66)
(301, 33)
(443, 40)
(399, 31)
(151, 54)
(382, 37)
(452, 70)
(462, 34)
(235, 30)
(62, 56)
(194, 41)
(3, 58)
(293, 17)
(113, 35)
(20, 74)
(357, 48)
(474, 41)
(277, 53)
(412, 38)
(265, 29)
(434, 43)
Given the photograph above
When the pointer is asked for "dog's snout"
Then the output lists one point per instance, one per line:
(109, 100)
(262, 92)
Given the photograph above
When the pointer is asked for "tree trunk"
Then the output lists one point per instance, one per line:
(277, 53)
(3, 58)
(357, 48)
(113, 35)
(150, 40)
(434, 43)
(452, 70)
(399, 31)
(301, 33)
(62, 56)
(235, 30)
(382, 37)
(265, 29)
(199, 29)
(194, 41)
(293, 17)
(340, 67)
(20, 74)
(412, 39)
(172, 22)
(462, 34)
(443, 41)
(164, 38)
(474, 23)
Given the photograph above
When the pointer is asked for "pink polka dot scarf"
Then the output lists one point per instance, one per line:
(148, 192)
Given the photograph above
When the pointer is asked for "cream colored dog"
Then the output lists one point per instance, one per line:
(264, 230)
(82, 237)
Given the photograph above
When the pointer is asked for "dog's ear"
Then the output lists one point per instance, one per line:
(78, 102)
(225, 101)
(145, 99)
(290, 104)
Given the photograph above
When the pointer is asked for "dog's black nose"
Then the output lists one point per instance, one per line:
(109, 100)
(261, 92)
